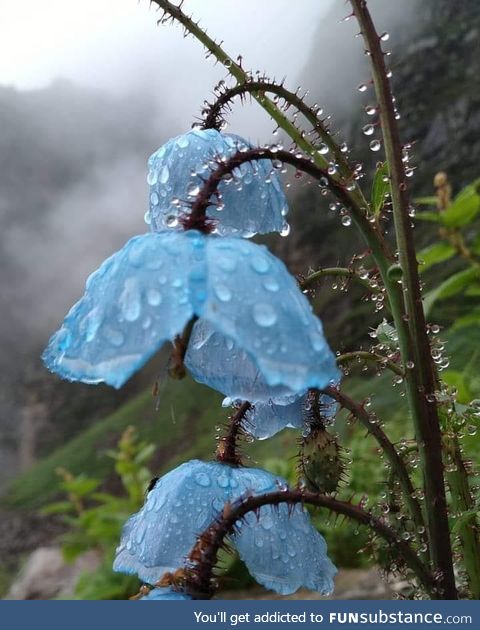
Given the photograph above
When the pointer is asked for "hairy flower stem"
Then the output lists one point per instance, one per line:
(364, 355)
(413, 338)
(397, 463)
(203, 557)
(354, 200)
(213, 115)
(227, 452)
(341, 272)
(176, 368)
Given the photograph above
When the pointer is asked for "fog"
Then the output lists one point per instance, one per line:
(73, 152)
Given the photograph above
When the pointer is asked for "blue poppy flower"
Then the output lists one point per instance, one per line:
(146, 293)
(251, 202)
(163, 593)
(265, 419)
(279, 545)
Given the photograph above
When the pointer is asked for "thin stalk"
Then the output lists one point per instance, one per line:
(342, 272)
(397, 463)
(204, 555)
(413, 338)
(365, 355)
(227, 451)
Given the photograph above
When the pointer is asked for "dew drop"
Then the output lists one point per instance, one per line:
(152, 177)
(164, 175)
(264, 315)
(323, 149)
(260, 264)
(154, 297)
(223, 293)
(375, 145)
(362, 87)
(202, 479)
(346, 220)
(368, 130)
(171, 221)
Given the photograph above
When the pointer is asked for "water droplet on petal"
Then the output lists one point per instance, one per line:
(154, 297)
(375, 145)
(260, 264)
(164, 175)
(223, 293)
(202, 479)
(264, 315)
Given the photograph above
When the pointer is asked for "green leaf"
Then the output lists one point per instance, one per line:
(471, 319)
(464, 208)
(458, 380)
(380, 188)
(434, 254)
(464, 519)
(425, 201)
(81, 486)
(451, 286)
(433, 217)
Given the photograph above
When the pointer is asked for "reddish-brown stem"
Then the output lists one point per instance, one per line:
(397, 463)
(227, 445)
(203, 557)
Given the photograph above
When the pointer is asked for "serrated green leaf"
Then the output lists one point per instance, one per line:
(434, 254)
(380, 188)
(451, 286)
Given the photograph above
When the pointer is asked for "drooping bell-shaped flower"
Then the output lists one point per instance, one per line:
(279, 545)
(164, 593)
(145, 294)
(251, 200)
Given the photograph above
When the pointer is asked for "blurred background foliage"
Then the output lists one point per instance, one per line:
(73, 466)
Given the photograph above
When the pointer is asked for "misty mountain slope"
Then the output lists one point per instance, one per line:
(72, 190)
(435, 61)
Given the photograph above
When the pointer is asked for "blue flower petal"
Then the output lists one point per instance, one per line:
(254, 302)
(185, 502)
(163, 593)
(265, 419)
(259, 206)
(284, 552)
(133, 303)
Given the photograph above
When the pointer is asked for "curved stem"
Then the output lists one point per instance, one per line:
(394, 458)
(415, 346)
(197, 217)
(346, 357)
(354, 198)
(204, 555)
(339, 272)
(212, 117)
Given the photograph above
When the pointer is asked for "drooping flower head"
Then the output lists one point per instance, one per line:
(279, 545)
(251, 200)
(146, 293)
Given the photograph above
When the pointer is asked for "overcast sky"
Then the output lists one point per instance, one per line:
(117, 45)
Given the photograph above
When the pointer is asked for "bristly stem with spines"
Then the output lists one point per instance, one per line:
(203, 557)
(400, 281)
(414, 343)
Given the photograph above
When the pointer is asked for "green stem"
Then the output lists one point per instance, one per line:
(339, 272)
(462, 503)
(413, 338)
(365, 355)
